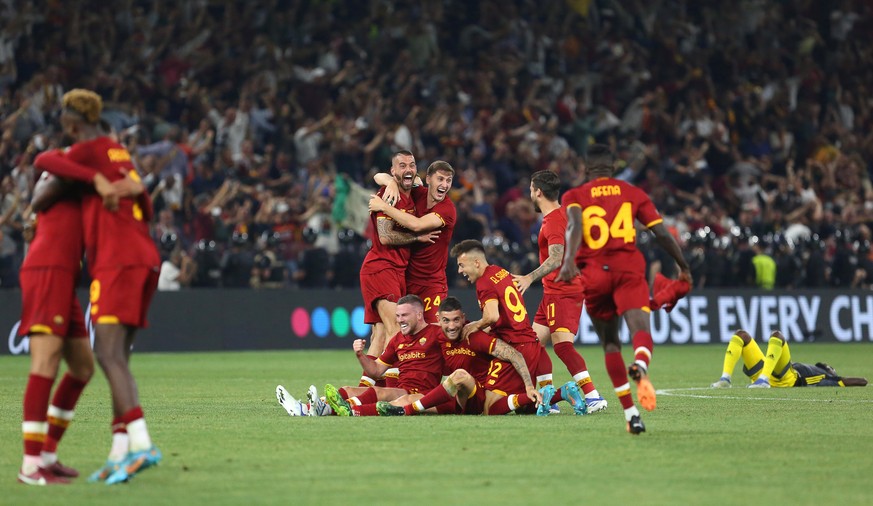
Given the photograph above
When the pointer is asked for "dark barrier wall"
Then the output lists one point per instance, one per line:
(203, 320)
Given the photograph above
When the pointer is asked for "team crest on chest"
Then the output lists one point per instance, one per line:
(422, 341)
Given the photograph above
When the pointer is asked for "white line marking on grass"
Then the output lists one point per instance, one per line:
(681, 392)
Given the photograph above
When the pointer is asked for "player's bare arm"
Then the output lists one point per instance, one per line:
(666, 241)
(572, 239)
(391, 195)
(490, 315)
(390, 236)
(509, 354)
(371, 367)
(47, 191)
(426, 223)
(556, 255)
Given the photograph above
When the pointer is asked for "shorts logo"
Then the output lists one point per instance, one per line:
(58, 319)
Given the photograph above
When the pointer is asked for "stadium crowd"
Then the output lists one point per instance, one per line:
(748, 123)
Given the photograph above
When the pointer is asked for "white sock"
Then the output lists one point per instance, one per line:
(354, 401)
(631, 412)
(594, 394)
(139, 435)
(30, 464)
(120, 446)
(48, 458)
(418, 406)
(368, 380)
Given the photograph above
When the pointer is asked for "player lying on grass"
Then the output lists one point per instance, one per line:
(485, 375)
(414, 350)
(776, 368)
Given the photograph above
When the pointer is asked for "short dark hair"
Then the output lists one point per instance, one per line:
(401, 152)
(547, 182)
(467, 246)
(600, 157)
(451, 303)
(440, 165)
(411, 299)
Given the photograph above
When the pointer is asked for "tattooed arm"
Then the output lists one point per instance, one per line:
(556, 254)
(388, 235)
(509, 354)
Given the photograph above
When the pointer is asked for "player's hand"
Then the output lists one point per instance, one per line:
(106, 190)
(685, 275)
(568, 272)
(358, 345)
(391, 195)
(429, 237)
(468, 329)
(533, 393)
(522, 282)
(376, 204)
(129, 187)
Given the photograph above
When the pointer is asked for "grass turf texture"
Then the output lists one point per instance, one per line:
(227, 441)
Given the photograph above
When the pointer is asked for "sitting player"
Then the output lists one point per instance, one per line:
(776, 369)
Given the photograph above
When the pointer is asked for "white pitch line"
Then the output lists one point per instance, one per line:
(678, 392)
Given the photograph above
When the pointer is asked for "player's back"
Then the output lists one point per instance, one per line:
(552, 232)
(609, 207)
(113, 238)
(513, 325)
(58, 237)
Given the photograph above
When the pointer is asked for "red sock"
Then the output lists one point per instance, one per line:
(502, 407)
(436, 397)
(369, 396)
(342, 391)
(618, 374)
(118, 425)
(643, 344)
(36, 400)
(575, 364)
(448, 408)
(365, 410)
(61, 410)
(132, 415)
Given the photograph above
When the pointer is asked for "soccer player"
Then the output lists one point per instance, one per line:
(416, 351)
(123, 263)
(383, 270)
(52, 317)
(601, 241)
(776, 368)
(426, 272)
(479, 371)
(558, 314)
(504, 313)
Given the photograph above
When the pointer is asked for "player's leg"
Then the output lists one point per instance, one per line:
(777, 360)
(638, 324)
(458, 385)
(45, 357)
(570, 356)
(854, 382)
(732, 355)
(607, 331)
(388, 314)
(80, 363)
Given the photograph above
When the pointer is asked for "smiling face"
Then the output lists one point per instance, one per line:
(439, 184)
(470, 266)
(404, 170)
(408, 317)
(452, 322)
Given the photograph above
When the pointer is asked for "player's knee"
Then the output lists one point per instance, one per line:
(777, 335)
(745, 336)
(459, 377)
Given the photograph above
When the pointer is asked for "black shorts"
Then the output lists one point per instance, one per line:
(815, 376)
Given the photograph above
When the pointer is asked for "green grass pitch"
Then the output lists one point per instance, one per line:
(226, 440)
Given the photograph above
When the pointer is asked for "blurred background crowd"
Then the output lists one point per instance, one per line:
(749, 123)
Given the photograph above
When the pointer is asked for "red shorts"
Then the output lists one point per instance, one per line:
(123, 295)
(505, 380)
(560, 312)
(611, 293)
(388, 284)
(475, 404)
(49, 304)
(431, 295)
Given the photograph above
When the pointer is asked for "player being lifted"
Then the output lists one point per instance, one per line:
(558, 314)
(601, 243)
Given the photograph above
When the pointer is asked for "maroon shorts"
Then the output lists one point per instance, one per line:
(388, 284)
(560, 312)
(431, 295)
(49, 304)
(504, 379)
(123, 295)
(611, 293)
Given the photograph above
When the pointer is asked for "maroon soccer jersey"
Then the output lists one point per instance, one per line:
(512, 325)
(120, 238)
(609, 207)
(382, 256)
(58, 239)
(551, 233)
(427, 266)
(472, 355)
(419, 358)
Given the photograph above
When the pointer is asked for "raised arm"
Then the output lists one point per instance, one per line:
(426, 223)
(390, 236)
(490, 315)
(372, 368)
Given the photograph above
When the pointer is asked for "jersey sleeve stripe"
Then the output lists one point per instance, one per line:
(574, 204)
(652, 224)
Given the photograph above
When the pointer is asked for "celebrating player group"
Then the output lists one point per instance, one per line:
(427, 355)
